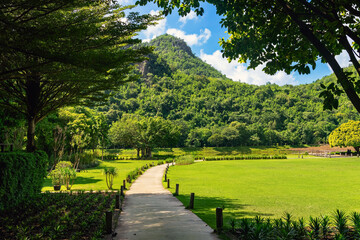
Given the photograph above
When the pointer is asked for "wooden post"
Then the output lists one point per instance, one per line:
(122, 191)
(168, 181)
(219, 219)
(129, 178)
(192, 197)
(124, 184)
(117, 201)
(165, 178)
(177, 190)
(108, 226)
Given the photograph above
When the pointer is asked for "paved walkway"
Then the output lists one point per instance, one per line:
(151, 212)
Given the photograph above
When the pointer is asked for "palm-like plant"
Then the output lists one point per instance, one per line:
(110, 173)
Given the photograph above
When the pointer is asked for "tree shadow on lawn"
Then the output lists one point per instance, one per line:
(78, 180)
(233, 150)
(205, 208)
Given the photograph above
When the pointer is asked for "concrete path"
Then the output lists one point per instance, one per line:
(151, 212)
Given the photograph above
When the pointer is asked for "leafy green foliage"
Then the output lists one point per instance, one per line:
(21, 176)
(214, 111)
(60, 54)
(60, 216)
(144, 133)
(286, 35)
(346, 135)
(110, 173)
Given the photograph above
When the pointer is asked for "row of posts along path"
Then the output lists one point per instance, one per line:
(151, 212)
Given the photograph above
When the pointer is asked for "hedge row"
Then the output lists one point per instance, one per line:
(242, 157)
(21, 176)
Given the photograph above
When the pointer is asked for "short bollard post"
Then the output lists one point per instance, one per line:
(165, 177)
(122, 191)
(177, 190)
(124, 184)
(129, 178)
(168, 181)
(192, 197)
(108, 222)
(117, 201)
(219, 219)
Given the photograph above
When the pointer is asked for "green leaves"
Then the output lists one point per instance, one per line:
(330, 94)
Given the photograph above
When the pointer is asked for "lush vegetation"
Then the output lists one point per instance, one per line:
(214, 111)
(268, 188)
(289, 36)
(95, 178)
(21, 176)
(58, 216)
(347, 134)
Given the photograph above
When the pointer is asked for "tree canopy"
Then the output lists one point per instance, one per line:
(144, 133)
(59, 53)
(346, 135)
(289, 36)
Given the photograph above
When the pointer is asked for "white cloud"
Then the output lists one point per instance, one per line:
(343, 59)
(191, 39)
(156, 30)
(239, 72)
(191, 16)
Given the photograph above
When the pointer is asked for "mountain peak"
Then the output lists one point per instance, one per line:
(172, 54)
(167, 42)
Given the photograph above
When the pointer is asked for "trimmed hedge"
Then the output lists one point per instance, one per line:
(21, 176)
(241, 157)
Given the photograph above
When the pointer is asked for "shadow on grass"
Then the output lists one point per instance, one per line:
(78, 180)
(191, 149)
(205, 208)
(232, 150)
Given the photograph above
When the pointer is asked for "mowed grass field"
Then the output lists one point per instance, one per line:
(94, 178)
(303, 187)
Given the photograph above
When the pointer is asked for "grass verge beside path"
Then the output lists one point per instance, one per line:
(246, 188)
(94, 178)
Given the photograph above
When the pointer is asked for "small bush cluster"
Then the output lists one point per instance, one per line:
(58, 216)
(137, 172)
(338, 226)
(185, 160)
(21, 176)
(241, 157)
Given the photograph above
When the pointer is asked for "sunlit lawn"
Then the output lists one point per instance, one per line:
(94, 178)
(302, 187)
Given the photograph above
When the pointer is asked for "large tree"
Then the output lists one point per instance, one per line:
(59, 53)
(346, 135)
(144, 134)
(289, 35)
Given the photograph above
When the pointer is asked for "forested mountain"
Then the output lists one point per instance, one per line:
(213, 110)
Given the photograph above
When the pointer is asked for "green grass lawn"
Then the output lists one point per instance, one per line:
(303, 187)
(94, 178)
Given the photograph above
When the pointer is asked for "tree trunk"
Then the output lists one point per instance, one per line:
(30, 145)
(33, 90)
(138, 153)
(328, 56)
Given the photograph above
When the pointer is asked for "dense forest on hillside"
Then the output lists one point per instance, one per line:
(216, 111)
(208, 108)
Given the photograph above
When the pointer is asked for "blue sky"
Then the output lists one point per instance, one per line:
(202, 34)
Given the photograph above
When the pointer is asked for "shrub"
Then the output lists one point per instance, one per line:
(110, 174)
(21, 176)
